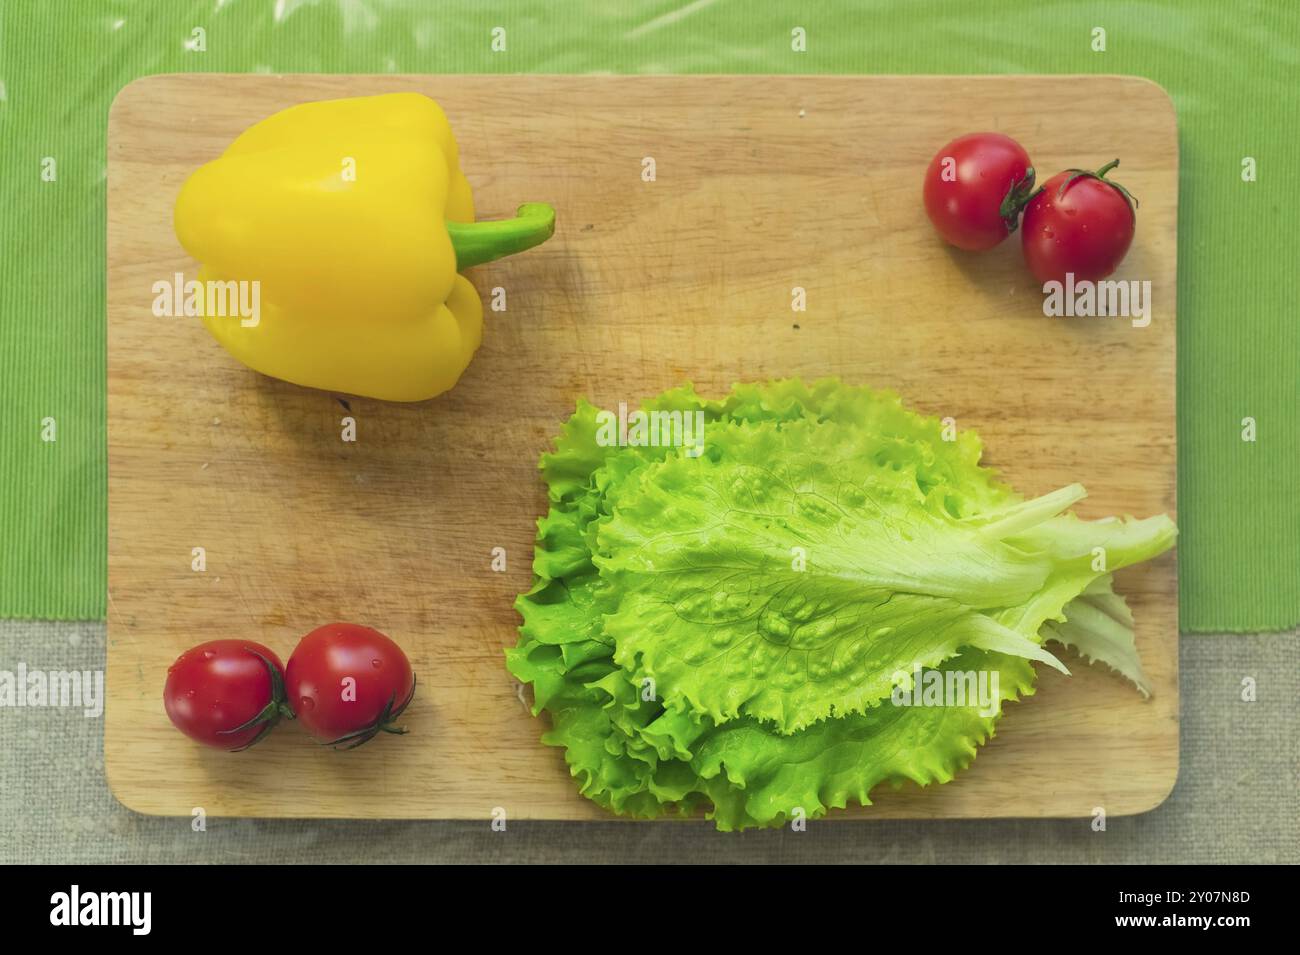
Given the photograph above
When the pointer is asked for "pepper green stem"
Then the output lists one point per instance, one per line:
(479, 242)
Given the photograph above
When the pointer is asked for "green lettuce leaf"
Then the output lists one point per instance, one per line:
(714, 604)
(1099, 625)
(736, 631)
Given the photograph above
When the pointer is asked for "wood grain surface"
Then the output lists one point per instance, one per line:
(762, 184)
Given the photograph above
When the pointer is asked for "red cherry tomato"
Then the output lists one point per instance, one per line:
(975, 187)
(347, 683)
(1080, 222)
(226, 694)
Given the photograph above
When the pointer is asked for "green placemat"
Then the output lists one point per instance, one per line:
(1230, 69)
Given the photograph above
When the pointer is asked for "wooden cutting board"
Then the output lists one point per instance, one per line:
(762, 184)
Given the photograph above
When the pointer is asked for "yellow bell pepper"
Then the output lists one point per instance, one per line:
(354, 218)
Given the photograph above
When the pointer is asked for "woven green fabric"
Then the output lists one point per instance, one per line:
(1230, 69)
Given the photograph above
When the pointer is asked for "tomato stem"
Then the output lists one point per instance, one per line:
(384, 724)
(1099, 174)
(1017, 197)
(270, 714)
